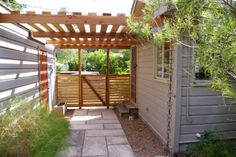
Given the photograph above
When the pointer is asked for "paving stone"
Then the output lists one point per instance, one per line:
(109, 116)
(110, 132)
(86, 126)
(80, 112)
(96, 110)
(82, 119)
(108, 111)
(94, 146)
(117, 140)
(93, 113)
(94, 133)
(120, 151)
(112, 126)
(71, 151)
(76, 138)
(103, 121)
(77, 122)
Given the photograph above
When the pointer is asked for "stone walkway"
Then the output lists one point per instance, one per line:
(96, 133)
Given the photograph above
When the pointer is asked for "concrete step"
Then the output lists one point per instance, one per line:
(123, 110)
(133, 109)
(130, 106)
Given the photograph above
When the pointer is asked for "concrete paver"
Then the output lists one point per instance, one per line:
(96, 132)
(94, 146)
(120, 151)
(116, 140)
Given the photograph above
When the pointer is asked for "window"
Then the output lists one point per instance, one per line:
(162, 61)
(200, 71)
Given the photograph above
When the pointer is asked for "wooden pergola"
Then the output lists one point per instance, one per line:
(77, 31)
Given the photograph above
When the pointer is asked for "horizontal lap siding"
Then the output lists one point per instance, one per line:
(19, 75)
(152, 96)
(205, 107)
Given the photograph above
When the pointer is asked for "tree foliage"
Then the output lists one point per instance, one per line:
(14, 4)
(96, 60)
(210, 25)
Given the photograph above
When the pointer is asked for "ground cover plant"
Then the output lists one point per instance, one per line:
(211, 145)
(29, 131)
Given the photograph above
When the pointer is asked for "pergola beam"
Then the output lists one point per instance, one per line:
(91, 47)
(80, 35)
(62, 19)
(99, 42)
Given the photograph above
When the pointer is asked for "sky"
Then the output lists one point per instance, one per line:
(84, 6)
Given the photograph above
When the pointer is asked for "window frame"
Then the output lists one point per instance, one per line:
(155, 63)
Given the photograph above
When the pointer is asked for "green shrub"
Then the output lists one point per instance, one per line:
(96, 61)
(211, 145)
(31, 132)
(73, 64)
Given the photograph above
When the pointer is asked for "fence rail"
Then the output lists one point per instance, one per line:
(94, 89)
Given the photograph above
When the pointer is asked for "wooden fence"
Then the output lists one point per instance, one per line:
(19, 65)
(94, 89)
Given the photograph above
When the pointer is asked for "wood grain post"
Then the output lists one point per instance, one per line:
(107, 78)
(80, 80)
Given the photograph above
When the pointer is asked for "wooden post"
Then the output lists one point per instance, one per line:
(133, 69)
(107, 78)
(80, 80)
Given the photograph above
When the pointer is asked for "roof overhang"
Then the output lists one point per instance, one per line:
(137, 7)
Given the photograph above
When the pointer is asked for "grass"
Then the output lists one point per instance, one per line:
(29, 132)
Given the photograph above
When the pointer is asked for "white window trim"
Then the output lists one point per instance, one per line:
(157, 78)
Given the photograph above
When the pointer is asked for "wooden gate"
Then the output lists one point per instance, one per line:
(43, 68)
(94, 89)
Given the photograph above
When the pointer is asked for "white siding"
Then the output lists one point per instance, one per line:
(152, 95)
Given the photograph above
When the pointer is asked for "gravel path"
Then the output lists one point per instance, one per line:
(141, 138)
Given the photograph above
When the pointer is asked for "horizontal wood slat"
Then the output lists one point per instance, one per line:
(17, 55)
(20, 40)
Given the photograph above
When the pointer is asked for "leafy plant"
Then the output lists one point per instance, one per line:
(29, 131)
(207, 27)
(73, 64)
(96, 61)
(211, 146)
(14, 4)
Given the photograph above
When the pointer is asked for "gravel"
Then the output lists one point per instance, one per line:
(141, 138)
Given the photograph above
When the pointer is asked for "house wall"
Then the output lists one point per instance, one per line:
(19, 73)
(152, 94)
(200, 108)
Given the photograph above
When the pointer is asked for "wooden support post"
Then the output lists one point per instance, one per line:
(80, 80)
(107, 78)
